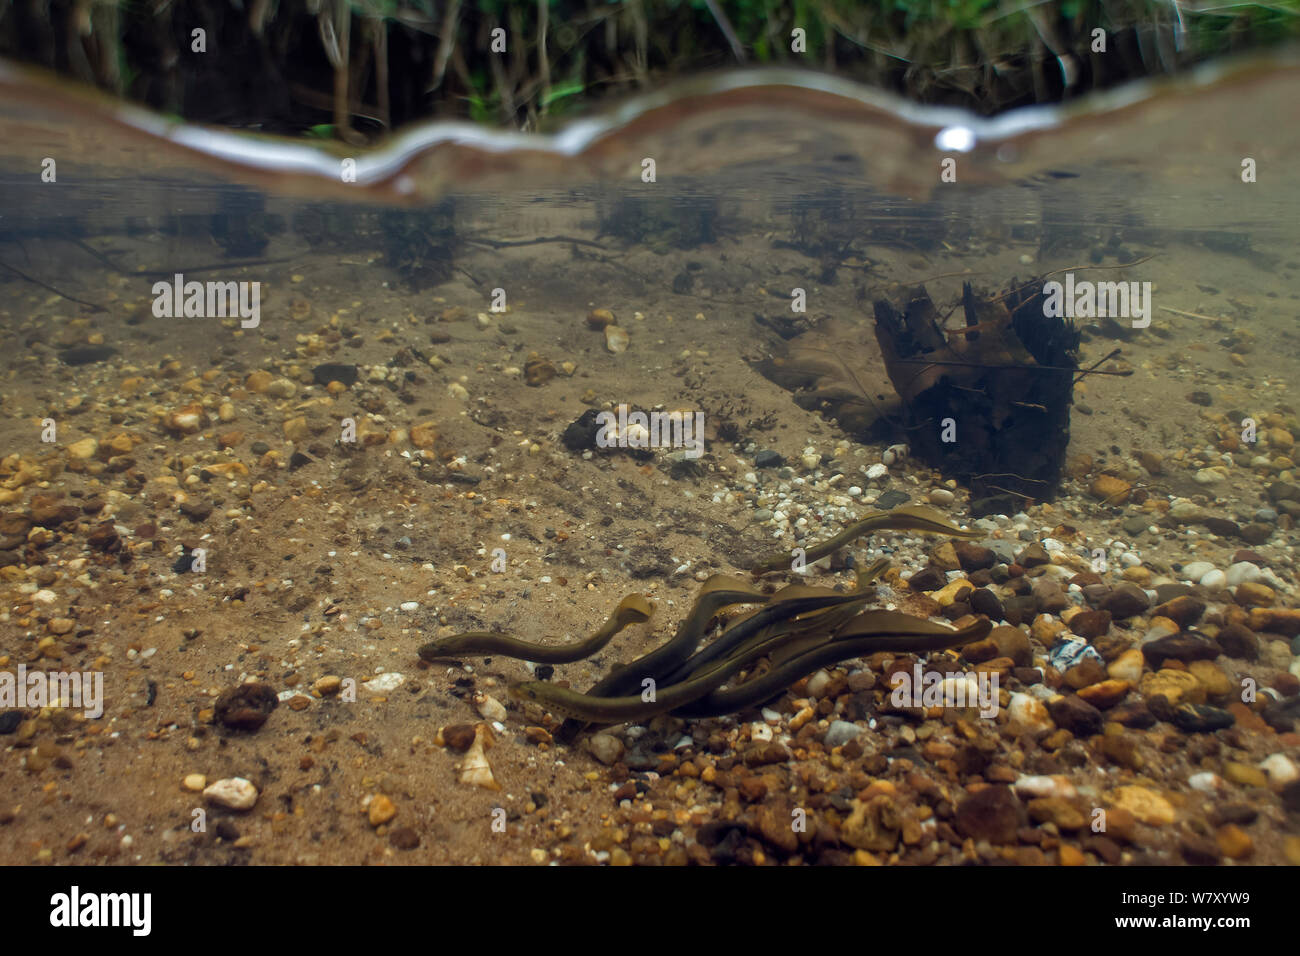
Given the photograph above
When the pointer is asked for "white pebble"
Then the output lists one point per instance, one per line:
(877, 471)
(1205, 782)
(1214, 579)
(1280, 769)
(383, 683)
(235, 793)
(1243, 572)
(410, 605)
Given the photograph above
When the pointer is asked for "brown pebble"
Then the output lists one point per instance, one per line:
(404, 838)
(246, 706)
(458, 736)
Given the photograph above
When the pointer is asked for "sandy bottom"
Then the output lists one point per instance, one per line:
(343, 562)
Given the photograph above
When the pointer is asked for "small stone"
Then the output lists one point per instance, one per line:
(1014, 643)
(1275, 621)
(458, 737)
(327, 686)
(993, 814)
(404, 838)
(1218, 687)
(1254, 594)
(941, 497)
(1033, 556)
(1105, 694)
(616, 339)
(1026, 714)
(245, 706)
(296, 430)
(973, 557)
(380, 810)
(1123, 749)
(1064, 814)
(1243, 572)
(259, 381)
(1090, 624)
(1184, 611)
(84, 449)
(606, 748)
(234, 793)
(1125, 601)
(1234, 842)
(489, 708)
(1238, 641)
(424, 435)
(1244, 775)
(600, 318)
(840, 733)
(768, 459)
(1110, 490)
(1128, 666)
(1185, 646)
(195, 782)
(1146, 805)
(927, 579)
(1202, 719)
(186, 420)
(384, 683)
(1281, 771)
(196, 509)
(1075, 715)
(1177, 687)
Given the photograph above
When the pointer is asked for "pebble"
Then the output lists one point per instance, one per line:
(1234, 842)
(1206, 782)
(234, 793)
(1195, 570)
(876, 472)
(195, 782)
(616, 339)
(993, 814)
(1214, 580)
(1243, 572)
(328, 686)
(941, 496)
(840, 733)
(1128, 666)
(384, 683)
(489, 708)
(1280, 769)
(1125, 601)
(1177, 687)
(1027, 786)
(1146, 805)
(606, 748)
(1244, 775)
(380, 810)
(1075, 715)
(1027, 714)
(84, 449)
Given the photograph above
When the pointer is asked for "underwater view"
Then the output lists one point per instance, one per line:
(758, 469)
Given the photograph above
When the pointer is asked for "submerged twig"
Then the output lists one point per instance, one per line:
(49, 288)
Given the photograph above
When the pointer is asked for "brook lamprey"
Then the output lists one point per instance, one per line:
(900, 519)
(698, 696)
(633, 609)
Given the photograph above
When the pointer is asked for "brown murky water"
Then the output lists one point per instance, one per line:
(368, 450)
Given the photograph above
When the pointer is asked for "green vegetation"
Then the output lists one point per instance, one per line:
(355, 69)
